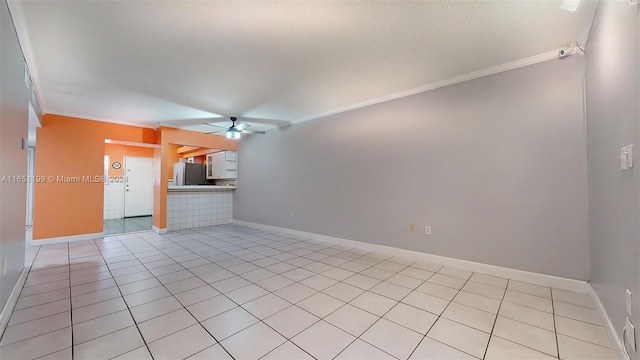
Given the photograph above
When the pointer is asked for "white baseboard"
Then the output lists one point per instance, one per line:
(616, 342)
(159, 231)
(514, 274)
(64, 239)
(5, 315)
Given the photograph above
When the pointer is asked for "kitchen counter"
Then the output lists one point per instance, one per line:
(199, 187)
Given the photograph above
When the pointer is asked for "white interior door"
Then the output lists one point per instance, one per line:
(138, 188)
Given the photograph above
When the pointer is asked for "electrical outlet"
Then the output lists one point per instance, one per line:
(627, 296)
(4, 266)
(631, 334)
(412, 227)
(427, 230)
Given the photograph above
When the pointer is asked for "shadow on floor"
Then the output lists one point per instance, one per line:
(127, 225)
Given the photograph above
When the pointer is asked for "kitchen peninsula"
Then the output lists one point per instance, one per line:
(200, 192)
(192, 206)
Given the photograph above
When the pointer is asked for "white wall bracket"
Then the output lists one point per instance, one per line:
(626, 157)
(629, 334)
(629, 153)
(623, 159)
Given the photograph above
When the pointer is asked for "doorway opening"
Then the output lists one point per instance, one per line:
(128, 187)
(33, 123)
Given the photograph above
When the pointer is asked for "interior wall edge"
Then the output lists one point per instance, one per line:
(495, 165)
(7, 309)
(14, 134)
(608, 325)
(613, 122)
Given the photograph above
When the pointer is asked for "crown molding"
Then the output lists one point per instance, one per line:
(19, 23)
(17, 11)
(119, 122)
(592, 7)
(131, 143)
(551, 55)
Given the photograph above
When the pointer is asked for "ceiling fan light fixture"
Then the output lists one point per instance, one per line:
(233, 133)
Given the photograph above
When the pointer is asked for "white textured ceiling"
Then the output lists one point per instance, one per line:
(149, 62)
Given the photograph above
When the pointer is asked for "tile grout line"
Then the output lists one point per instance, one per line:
(345, 303)
(368, 290)
(382, 316)
(380, 281)
(43, 317)
(70, 316)
(14, 306)
(496, 319)
(518, 321)
(269, 292)
(440, 316)
(128, 308)
(29, 272)
(553, 315)
(183, 307)
(555, 328)
(240, 305)
(271, 242)
(70, 301)
(237, 274)
(349, 303)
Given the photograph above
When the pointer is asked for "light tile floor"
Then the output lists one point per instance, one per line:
(235, 292)
(127, 225)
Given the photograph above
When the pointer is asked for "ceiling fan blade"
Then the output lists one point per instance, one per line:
(252, 132)
(265, 121)
(242, 126)
(221, 127)
(189, 122)
(214, 132)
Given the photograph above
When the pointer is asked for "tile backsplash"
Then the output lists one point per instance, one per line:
(192, 209)
(113, 201)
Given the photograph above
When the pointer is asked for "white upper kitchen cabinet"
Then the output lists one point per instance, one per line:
(222, 165)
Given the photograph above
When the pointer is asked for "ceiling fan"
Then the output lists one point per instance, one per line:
(235, 131)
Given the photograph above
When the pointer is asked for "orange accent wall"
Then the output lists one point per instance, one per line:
(200, 159)
(73, 147)
(172, 158)
(118, 152)
(200, 152)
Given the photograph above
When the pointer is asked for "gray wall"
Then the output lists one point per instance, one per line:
(612, 87)
(495, 165)
(14, 106)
